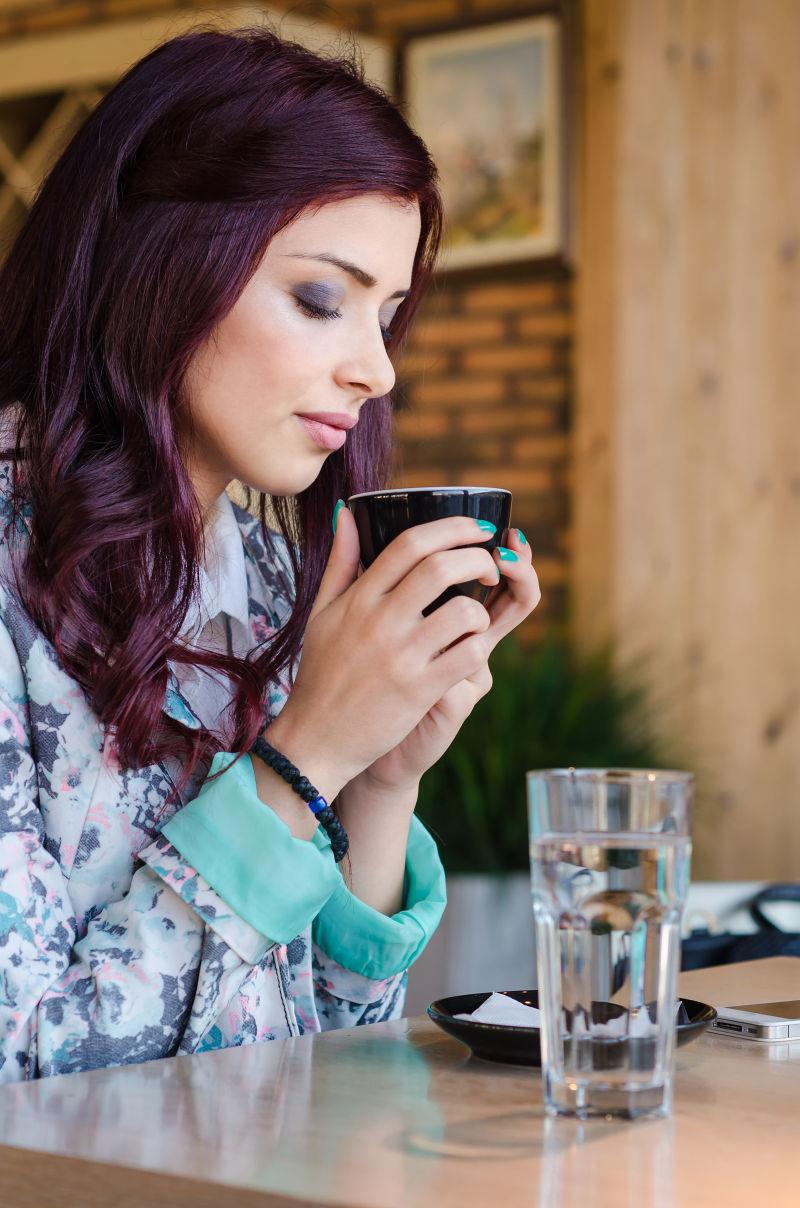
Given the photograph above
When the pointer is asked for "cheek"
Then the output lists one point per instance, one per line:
(267, 355)
(262, 365)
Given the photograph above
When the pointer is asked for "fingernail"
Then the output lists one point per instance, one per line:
(336, 511)
(487, 526)
(522, 537)
(507, 555)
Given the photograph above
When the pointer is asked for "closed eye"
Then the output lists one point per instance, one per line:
(321, 312)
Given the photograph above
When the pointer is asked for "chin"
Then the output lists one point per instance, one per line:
(284, 485)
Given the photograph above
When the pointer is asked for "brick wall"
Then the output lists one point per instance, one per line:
(485, 385)
(484, 401)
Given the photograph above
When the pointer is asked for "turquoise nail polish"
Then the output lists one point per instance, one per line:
(507, 555)
(336, 511)
(522, 537)
(487, 526)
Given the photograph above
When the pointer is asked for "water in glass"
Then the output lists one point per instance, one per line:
(607, 909)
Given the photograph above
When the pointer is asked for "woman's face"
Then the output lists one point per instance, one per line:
(306, 338)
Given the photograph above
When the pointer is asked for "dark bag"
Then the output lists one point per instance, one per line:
(703, 948)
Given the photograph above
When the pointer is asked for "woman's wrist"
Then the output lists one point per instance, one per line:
(376, 793)
(283, 800)
(333, 779)
(306, 753)
(377, 817)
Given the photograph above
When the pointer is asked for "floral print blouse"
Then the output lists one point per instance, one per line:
(132, 930)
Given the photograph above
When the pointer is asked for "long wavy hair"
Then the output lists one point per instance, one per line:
(142, 238)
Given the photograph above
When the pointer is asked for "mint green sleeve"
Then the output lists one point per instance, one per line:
(277, 885)
(249, 857)
(376, 945)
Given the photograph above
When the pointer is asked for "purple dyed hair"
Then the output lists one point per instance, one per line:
(142, 238)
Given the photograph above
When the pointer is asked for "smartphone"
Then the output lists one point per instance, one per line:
(760, 1021)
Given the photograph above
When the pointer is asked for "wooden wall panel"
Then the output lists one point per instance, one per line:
(687, 434)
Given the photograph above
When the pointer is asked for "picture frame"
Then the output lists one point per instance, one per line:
(487, 101)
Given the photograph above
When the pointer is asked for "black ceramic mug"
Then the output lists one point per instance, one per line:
(381, 516)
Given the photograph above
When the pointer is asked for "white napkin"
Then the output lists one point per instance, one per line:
(636, 1023)
(500, 1009)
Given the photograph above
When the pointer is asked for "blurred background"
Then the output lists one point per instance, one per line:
(614, 337)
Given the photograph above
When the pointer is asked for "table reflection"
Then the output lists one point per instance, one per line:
(290, 1116)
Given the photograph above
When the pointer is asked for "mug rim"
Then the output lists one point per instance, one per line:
(431, 490)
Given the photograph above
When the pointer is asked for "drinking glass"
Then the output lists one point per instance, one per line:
(610, 855)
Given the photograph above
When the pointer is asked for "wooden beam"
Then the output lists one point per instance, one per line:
(99, 54)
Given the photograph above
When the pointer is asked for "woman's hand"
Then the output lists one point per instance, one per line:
(373, 666)
(399, 770)
(381, 690)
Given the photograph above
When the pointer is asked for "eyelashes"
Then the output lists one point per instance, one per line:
(321, 312)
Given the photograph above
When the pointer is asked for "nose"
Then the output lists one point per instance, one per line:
(368, 371)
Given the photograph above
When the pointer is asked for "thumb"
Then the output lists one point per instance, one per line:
(342, 568)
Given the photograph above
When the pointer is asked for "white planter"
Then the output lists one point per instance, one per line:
(484, 942)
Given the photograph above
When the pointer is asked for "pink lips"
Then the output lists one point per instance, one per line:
(328, 429)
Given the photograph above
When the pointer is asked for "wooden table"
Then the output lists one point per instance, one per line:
(399, 1114)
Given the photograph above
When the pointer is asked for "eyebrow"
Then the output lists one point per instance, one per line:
(362, 277)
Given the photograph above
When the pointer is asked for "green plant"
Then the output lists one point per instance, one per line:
(548, 707)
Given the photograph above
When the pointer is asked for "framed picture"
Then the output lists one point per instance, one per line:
(487, 102)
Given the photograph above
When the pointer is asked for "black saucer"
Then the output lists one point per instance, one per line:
(520, 1046)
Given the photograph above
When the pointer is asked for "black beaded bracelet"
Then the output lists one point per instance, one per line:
(305, 789)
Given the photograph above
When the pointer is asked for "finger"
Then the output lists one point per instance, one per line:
(453, 620)
(515, 539)
(459, 701)
(459, 662)
(426, 582)
(522, 594)
(342, 568)
(481, 681)
(408, 550)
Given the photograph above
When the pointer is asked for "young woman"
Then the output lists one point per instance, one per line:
(209, 289)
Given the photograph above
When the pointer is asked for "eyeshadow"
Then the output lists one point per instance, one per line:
(319, 294)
